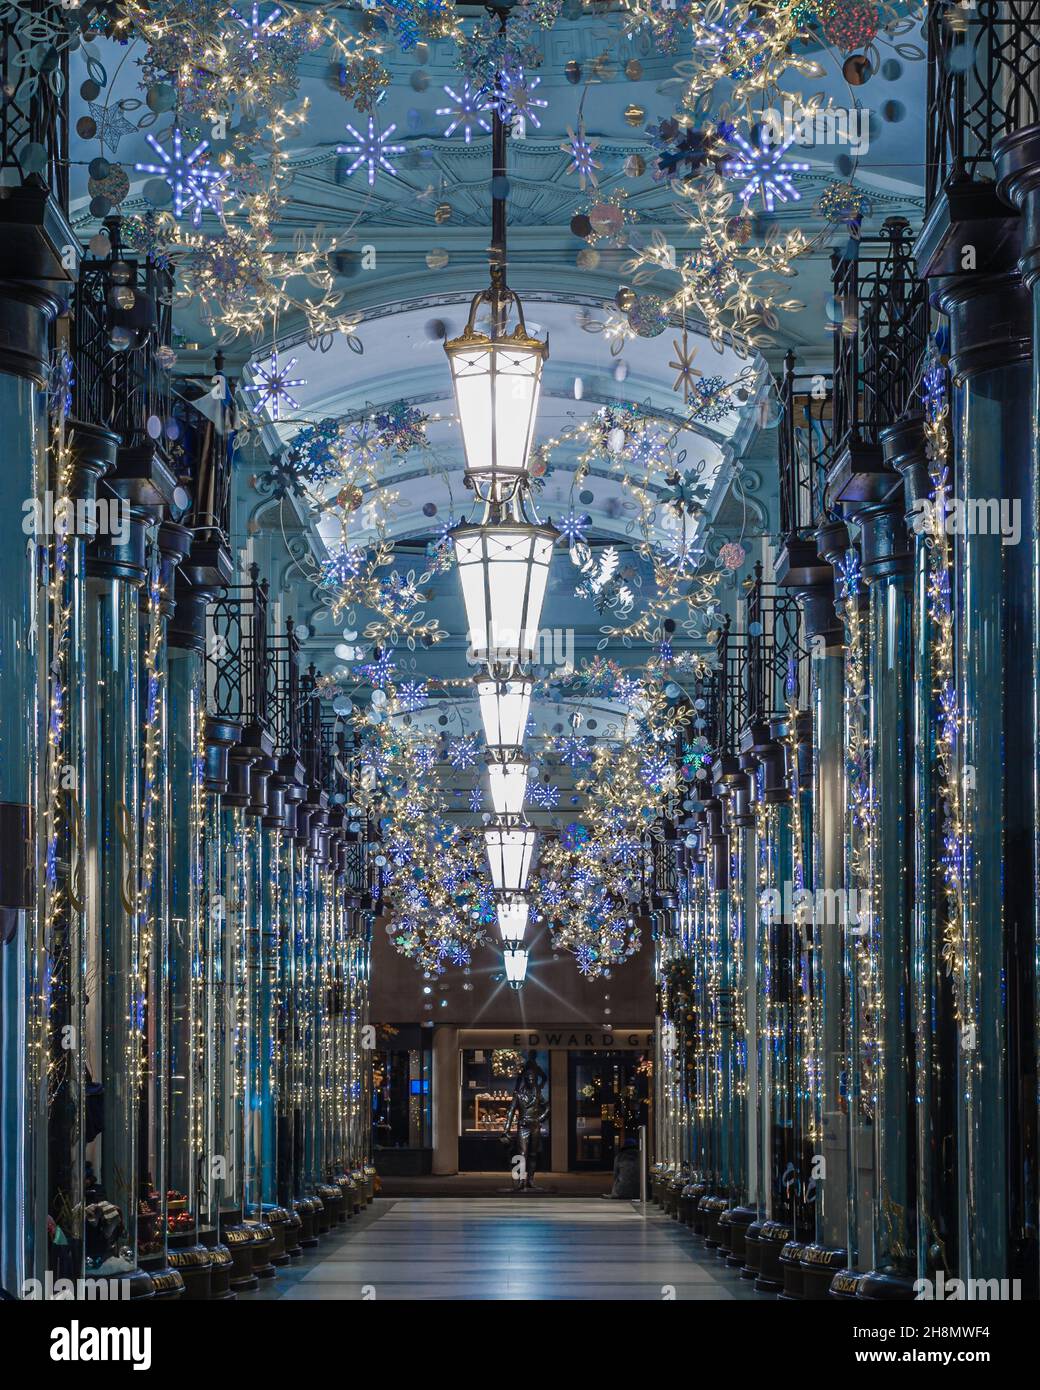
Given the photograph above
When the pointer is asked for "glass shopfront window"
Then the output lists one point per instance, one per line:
(608, 1094)
(488, 1076)
(402, 1116)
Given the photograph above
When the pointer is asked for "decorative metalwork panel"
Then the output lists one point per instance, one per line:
(34, 109)
(122, 318)
(777, 664)
(879, 346)
(237, 679)
(731, 704)
(983, 83)
(805, 448)
(283, 685)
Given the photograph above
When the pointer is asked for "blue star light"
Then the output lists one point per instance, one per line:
(476, 799)
(764, 170)
(514, 97)
(258, 29)
(462, 752)
(543, 794)
(194, 185)
(466, 111)
(573, 526)
(274, 385)
(371, 149)
(412, 696)
(573, 750)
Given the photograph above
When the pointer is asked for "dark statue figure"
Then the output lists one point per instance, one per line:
(529, 1109)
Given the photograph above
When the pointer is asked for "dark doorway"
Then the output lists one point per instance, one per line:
(607, 1102)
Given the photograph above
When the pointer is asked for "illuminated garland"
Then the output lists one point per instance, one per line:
(58, 900)
(151, 798)
(859, 823)
(806, 935)
(944, 690)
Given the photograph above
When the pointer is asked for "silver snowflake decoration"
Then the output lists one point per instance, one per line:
(371, 149)
(274, 384)
(462, 752)
(466, 112)
(580, 148)
(764, 170)
(515, 99)
(194, 185)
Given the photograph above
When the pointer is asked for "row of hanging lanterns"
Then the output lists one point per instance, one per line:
(503, 560)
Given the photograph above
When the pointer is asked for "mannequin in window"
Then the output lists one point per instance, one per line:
(528, 1109)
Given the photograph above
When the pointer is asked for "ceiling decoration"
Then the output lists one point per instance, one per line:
(323, 180)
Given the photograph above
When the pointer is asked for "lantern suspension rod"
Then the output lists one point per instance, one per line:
(497, 252)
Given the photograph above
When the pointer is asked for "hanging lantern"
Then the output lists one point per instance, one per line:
(507, 776)
(516, 967)
(510, 850)
(496, 378)
(504, 707)
(503, 569)
(512, 920)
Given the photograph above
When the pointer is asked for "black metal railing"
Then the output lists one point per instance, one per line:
(730, 715)
(777, 666)
(34, 105)
(983, 83)
(237, 654)
(122, 321)
(805, 449)
(879, 346)
(283, 680)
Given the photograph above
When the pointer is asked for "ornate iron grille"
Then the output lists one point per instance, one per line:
(314, 751)
(283, 677)
(731, 704)
(983, 83)
(777, 664)
(237, 679)
(880, 345)
(33, 111)
(126, 391)
(805, 448)
(665, 879)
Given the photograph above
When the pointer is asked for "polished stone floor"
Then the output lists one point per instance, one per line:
(529, 1248)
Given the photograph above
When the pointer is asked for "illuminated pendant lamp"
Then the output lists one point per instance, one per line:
(510, 850)
(512, 920)
(507, 777)
(496, 376)
(505, 702)
(515, 960)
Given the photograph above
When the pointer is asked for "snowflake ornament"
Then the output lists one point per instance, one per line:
(466, 113)
(580, 149)
(462, 752)
(764, 169)
(274, 384)
(371, 149)
(514, 97)
(194, 184)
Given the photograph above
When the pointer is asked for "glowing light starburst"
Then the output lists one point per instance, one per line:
(466, 111)
(580, 148)
(258, 29)
(193, 184)
(371, 149)
(514, 97)
(274, 384)
(764, 169)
